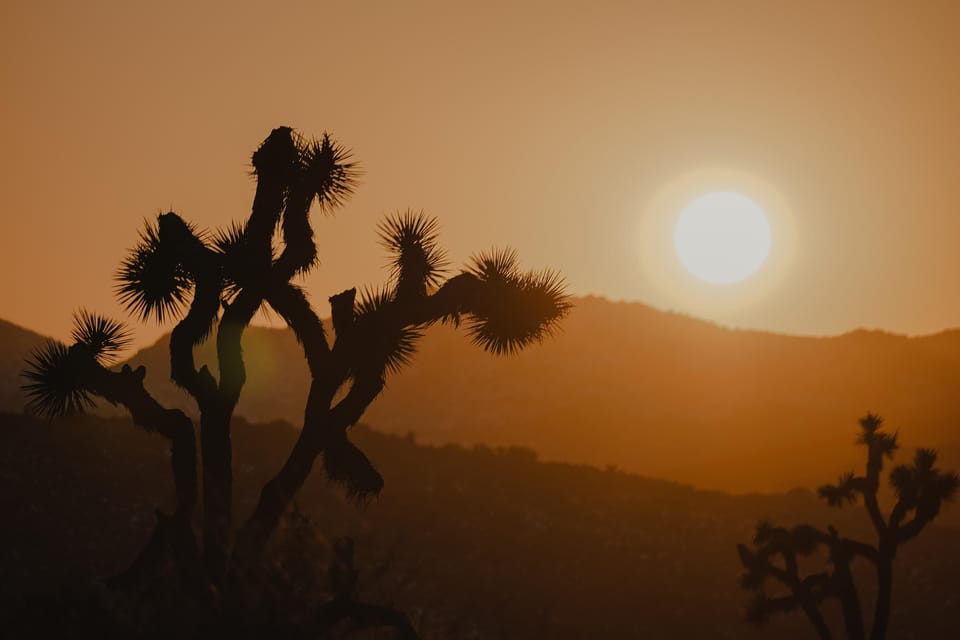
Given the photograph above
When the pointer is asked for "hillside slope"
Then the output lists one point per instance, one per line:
(651, 392)
(16, 343)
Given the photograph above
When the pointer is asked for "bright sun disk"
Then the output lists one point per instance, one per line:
(722, 237)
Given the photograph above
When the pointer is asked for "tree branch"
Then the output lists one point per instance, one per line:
(200, 263)
(126, 388)
(911, 529)
(291, 303)
(873, 509)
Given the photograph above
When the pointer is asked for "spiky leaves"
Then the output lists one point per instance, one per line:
(878, 442)
(922, 485)
(763, 532)
(511, 309)
(948, 485)
(805, 539)
(152, 280)
(384, 345)
(54, 377)
(58, 376)
(346, 465)
(775, 559)
(237, 270)
(327, 172)
(102, 338)
(842, 493)
(292, 173)
(885, 444)
(801, 540)
(880, 445)
(417, 261)
(323, 173)
(870, 424)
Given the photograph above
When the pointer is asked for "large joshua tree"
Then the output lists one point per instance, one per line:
(214, 283)
(920, 489)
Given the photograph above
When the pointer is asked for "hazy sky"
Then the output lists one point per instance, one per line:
(547, 126)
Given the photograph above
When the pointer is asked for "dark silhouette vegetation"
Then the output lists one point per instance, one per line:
(471, 543)
(211, 284)
(920, 490)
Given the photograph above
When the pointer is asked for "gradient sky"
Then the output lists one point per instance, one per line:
(547, 126)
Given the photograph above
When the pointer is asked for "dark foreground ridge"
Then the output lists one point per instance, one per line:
(470, 543)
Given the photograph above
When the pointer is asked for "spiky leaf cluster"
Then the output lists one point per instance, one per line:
(55, 380)
(801, 540)
(152, 280)
(763, 532)
(101, 337)
(870, 423)
(237, 270)
(387, 346)
(880, 443)
(842, 493)
(922, 484)
(326, 171)
(417, 261)
(513, 309)
(57, 375)
(775, 558)
(346, 465)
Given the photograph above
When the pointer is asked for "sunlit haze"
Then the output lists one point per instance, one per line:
(722, 237)
(549, 128)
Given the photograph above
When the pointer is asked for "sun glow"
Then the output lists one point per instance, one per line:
(722, 237)
(715, 242)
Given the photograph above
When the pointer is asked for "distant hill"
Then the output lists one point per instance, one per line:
(652, 392)
(471, 543)
(16, 343)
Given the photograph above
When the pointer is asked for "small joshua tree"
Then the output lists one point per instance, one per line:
(921, 489)
(214, 283)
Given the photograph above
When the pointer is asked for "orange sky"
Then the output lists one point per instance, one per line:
(545, 128)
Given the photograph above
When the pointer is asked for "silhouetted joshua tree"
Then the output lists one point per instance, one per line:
(214, 283)
(920, 490)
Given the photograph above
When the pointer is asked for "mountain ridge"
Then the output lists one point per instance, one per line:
(653, 392)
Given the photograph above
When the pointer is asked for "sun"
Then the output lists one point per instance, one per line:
(722, 237)
(716, 242)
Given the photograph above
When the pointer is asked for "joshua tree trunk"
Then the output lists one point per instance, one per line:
(813, 613)
(323, 435)
(171, 532)
(274, 499)
(217, 494)
(881, 615)
(850, 603)
(324, 428)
